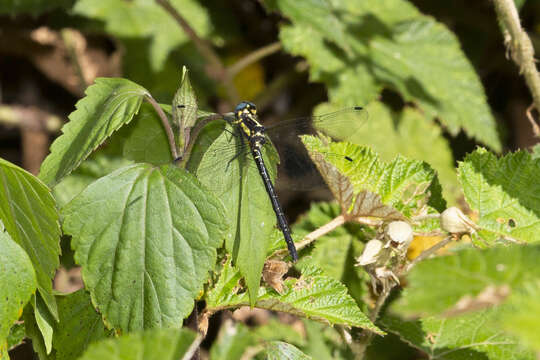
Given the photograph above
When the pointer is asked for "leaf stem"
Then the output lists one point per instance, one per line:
(252, 57)
(216, 69)
(427, 253)
(520, 45)
(166, 124)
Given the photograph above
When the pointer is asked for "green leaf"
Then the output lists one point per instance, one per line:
(313, 296)
(276, 330)
(79, 326)
(89, 171)
(146, 140)
(184, 110)
(34, 7)
(472, 336)
(505, 192)
(108, 105)
(146, 19)
(17, 275)
(157, 344)
(146, 238)
(524, 311)
(365, 186)
(438, 284)
(277, 350)
(44, 321)
(409, 133)
(239, 186)
(28, 212)
(392, 45)
(33, 332)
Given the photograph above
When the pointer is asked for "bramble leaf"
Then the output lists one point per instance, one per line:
(472, 336)
(313, 296)
(108, 105)
(29, 214)
(505, 192)
(392, 44)
(146, 238)
(365, 186)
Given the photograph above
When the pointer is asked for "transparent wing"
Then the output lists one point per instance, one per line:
(220, 149)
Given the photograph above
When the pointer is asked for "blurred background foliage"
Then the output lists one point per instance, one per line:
(435, 77)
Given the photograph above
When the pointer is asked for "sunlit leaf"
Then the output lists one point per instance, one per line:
(146, 238)
(277, 350)
(505, 192)
(108, 104)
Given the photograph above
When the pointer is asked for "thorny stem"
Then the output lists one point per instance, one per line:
(520, 45)
(166, 124)
(217, 69)
(253, 57)
(427, 253)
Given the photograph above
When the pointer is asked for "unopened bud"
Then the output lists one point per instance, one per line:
(455, 221)
(371, 253)
(400, 235)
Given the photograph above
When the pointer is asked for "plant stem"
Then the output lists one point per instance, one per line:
(432, 250)
(166, 124)
(217, 69)
(520, 45)
(253, 57)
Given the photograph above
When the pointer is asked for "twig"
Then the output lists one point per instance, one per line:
(193, 348)
(166, 124)
(314, 235)
(29, 117)
(534, 125)
(217, 69)
(432, 250)
(67, 38)
(520, 45)
(253, 57)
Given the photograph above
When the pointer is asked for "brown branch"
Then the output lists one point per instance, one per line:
(534, 125)
(166, 124)
(253, 57)
(217, 69)
(520, 45)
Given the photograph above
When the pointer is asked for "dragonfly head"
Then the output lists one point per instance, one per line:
(245, 108)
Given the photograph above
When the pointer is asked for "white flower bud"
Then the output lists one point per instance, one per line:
(455, 221)
(371, 253)
(400, 235)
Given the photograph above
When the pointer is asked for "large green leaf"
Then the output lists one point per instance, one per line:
(17, 281)
(232, 341)
(472, 336)
(146, 238)
(79, 326)
(313, 296)
(157, 344)
(28, 212)
(277, 350)
(240, 188)
(34, 7)
(146, 19)
(108, 104)
(379, 43)
(438, 284)
(505, 192)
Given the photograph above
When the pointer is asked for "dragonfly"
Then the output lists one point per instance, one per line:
(248, 135)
